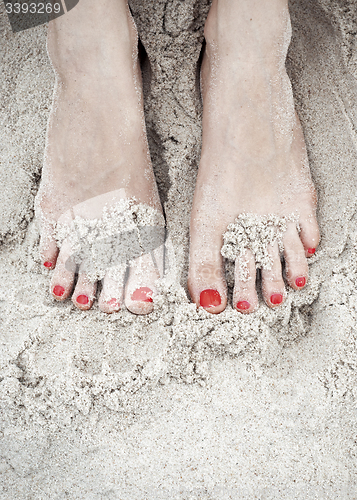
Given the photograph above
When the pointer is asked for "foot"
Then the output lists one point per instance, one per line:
(253, 156)
(96, 151)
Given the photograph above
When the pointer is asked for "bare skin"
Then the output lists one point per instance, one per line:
(253, 154)
(96, 146)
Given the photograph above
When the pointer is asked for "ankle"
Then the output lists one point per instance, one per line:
(248, 33)
(80, 52)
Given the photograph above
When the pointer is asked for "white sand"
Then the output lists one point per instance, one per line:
(182, 404)
(122, 231)
(256, 233)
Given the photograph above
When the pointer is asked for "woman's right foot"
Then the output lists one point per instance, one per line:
(96, 147)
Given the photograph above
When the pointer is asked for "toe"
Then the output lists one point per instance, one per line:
(206, 280)
(63, 276)
(296, 267)
(140, 289)
(245, 298)
(48, 251)
(309, 234)
(84, 292)
(111, 296)
(272, 281)
(207, 285)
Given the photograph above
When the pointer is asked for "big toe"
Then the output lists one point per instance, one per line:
(206, 280)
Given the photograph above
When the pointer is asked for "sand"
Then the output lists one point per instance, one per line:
(182, 404)
(122, 231)
(256, 233)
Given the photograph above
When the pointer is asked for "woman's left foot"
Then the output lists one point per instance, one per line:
(253, 155)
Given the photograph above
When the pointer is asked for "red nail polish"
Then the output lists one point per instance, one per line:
(82, 299)
(300, 282)
(243, 305)
(47, 264)
(311, 251)
(276, 299)
(113, 302)
(143, 294)
(58, 290)
(210, 298)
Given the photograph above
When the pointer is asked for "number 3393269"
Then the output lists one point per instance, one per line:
(33, 8)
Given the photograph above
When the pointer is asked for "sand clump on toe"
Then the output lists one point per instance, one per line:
(125, 231)
(256, 233)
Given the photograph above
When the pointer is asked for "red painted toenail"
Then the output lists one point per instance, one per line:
(82, 299)
(113, 302)
(143, 294)
(276, 299)
(58, 290)
(210, 298)
(47, 264)
(300, 282)
(243, 305)
(311, 251)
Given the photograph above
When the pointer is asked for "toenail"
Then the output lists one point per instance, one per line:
(47, 264)
(243, 305)
(210, 298)
(311, 251)
(276, 299)
(82, 299)
(300, 282)
(58, 290)
(143, 294)
(113, 302)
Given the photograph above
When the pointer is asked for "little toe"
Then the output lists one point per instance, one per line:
(309, 234)
(84, 292)
(48, 251)
(140, 289)
(272, 280)
(63, 277)
(245, 298)
(111, 296)
(296, 267)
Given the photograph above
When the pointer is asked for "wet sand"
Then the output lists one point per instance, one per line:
(182, 404)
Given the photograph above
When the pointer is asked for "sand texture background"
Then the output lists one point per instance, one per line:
(180, 404)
